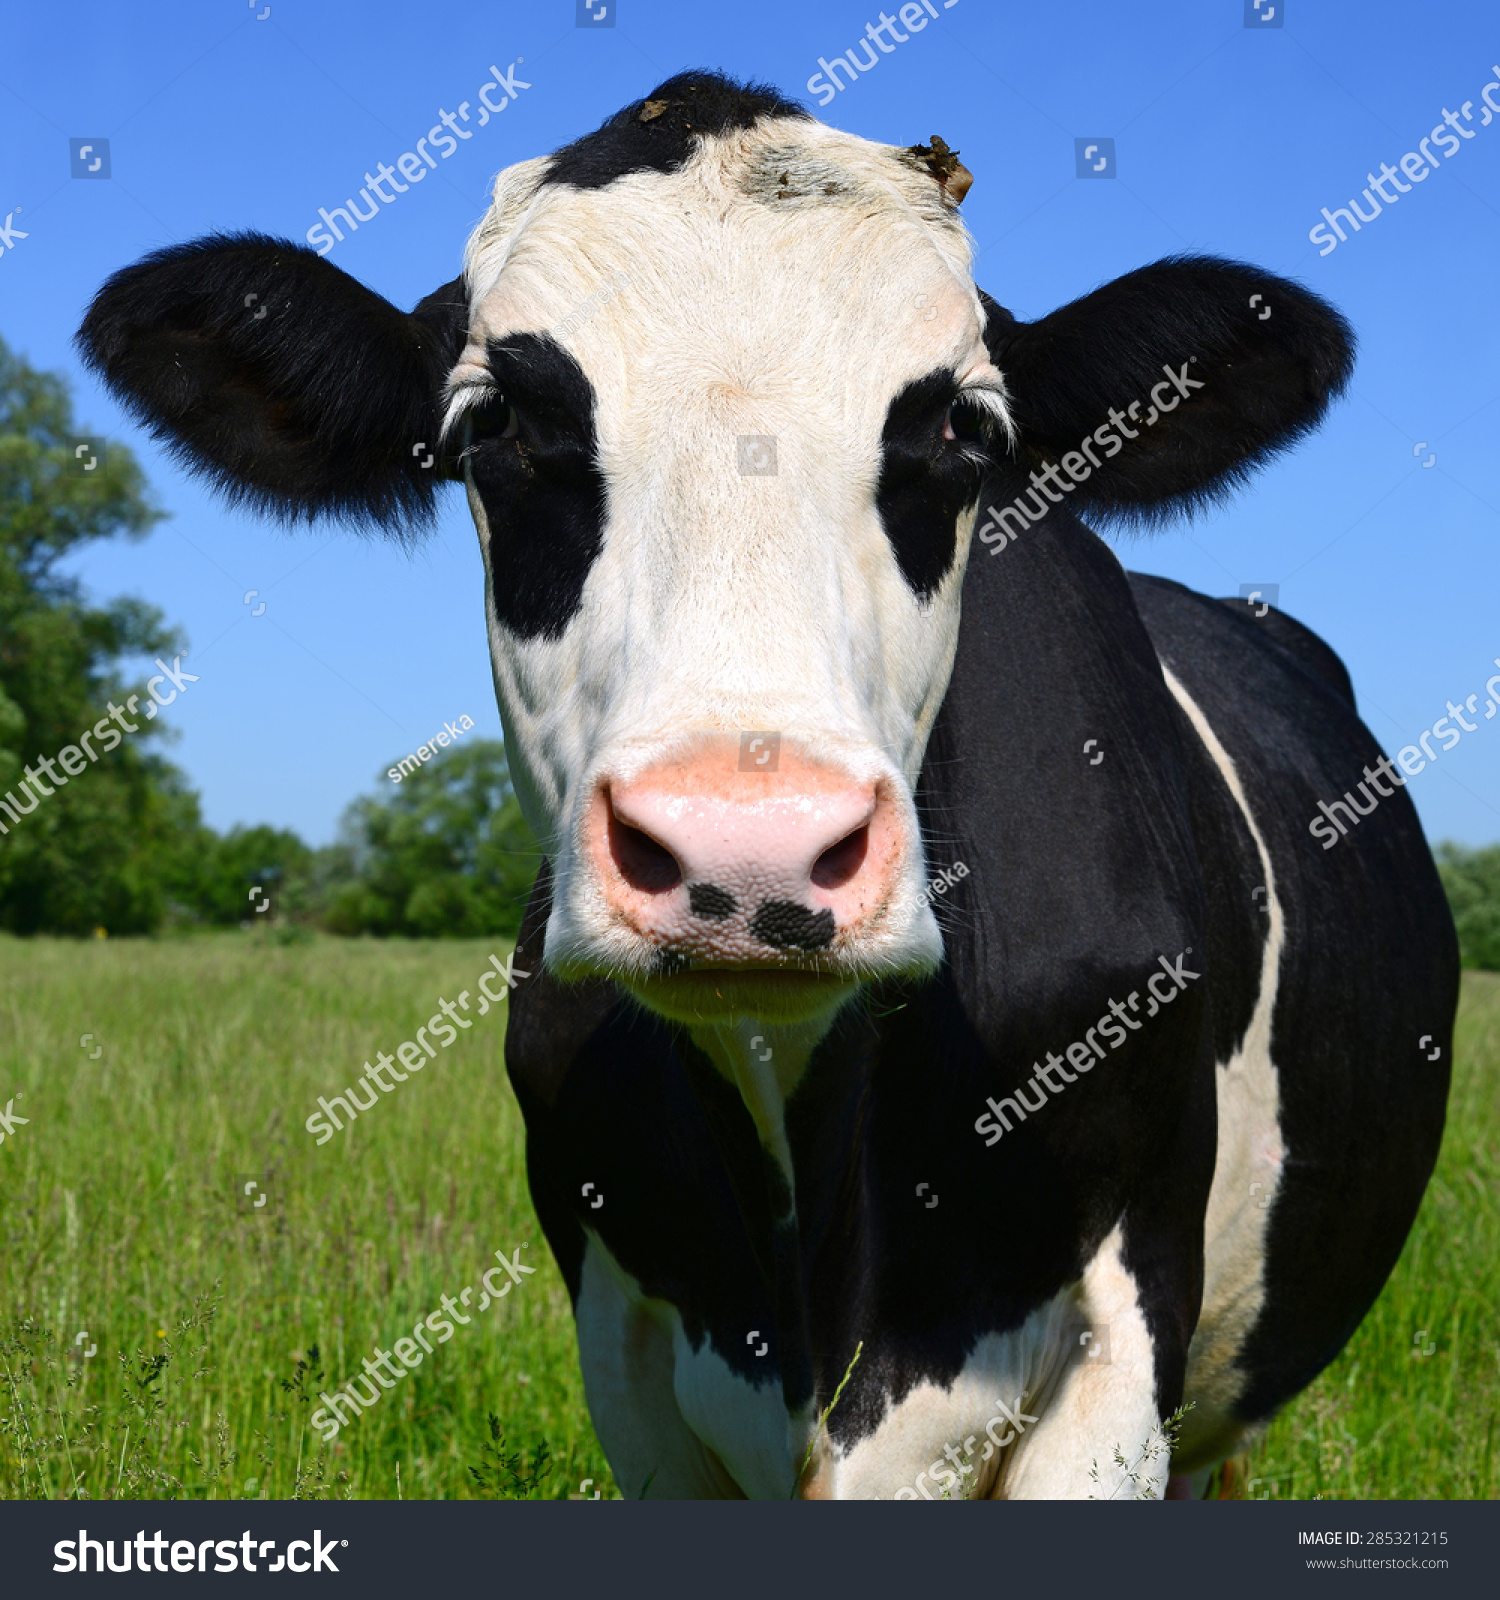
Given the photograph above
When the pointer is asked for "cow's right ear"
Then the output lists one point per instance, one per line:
(291, 386)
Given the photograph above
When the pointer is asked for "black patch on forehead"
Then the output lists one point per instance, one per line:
(787, 926)
(925, 482)
(660, 132)
(543, 493)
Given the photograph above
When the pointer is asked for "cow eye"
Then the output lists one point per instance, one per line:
(964, 423)
(496, 418)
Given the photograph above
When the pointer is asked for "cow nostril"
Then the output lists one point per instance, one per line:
(838, 864)
(643, 863)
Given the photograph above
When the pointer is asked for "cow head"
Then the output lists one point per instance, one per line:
(723, 393)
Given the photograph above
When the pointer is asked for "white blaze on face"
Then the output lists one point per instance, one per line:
(728, 596)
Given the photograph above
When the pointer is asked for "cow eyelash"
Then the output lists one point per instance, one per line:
(483, 414)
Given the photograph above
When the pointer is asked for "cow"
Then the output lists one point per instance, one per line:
(952, 1064)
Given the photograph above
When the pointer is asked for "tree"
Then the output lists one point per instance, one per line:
(447, 852)
(1472, 880)
(103, 848)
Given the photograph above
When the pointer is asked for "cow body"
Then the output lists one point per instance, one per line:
(1133, 1114)
(1265, 1148)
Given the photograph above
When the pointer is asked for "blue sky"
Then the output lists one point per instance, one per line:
(1228, 139)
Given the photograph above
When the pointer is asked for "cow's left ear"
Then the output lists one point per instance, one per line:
(1212, 365)
(284, 380)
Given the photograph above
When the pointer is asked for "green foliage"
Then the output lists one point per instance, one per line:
(447, 853)
(100, 850)
(1472, 881)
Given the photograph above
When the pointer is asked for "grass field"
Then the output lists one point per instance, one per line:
(122, 1213)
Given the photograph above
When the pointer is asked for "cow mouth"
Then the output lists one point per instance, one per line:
(774, 992)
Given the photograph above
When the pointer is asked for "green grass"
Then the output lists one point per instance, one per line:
(118, 1215)
(1388, 1420)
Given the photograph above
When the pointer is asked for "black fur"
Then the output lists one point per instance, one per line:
(542, 491)
(660, 132)
(291, 386)
(925, 482)
(1266, 381)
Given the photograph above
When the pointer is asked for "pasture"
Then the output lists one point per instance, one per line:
(123, 1217)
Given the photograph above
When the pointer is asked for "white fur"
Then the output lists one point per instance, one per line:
(1247, 1172)
(723, 602)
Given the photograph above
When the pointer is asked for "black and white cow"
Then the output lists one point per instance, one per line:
(1145, 1079)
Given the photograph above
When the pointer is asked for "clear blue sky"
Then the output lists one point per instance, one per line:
(1228, 140)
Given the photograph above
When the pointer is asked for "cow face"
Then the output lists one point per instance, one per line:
(723, 430)
(722, 393)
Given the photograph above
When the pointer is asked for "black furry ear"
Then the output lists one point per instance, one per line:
(1166, 388)
(293, 387)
